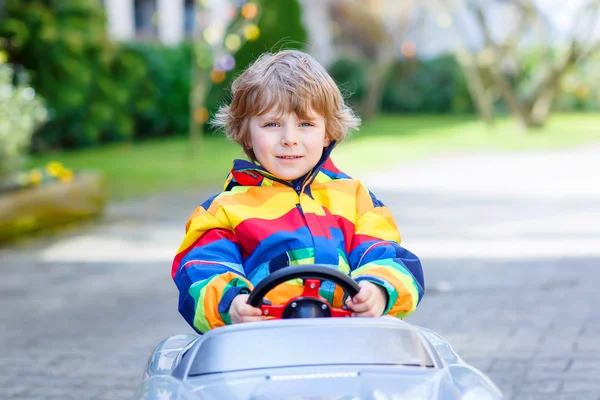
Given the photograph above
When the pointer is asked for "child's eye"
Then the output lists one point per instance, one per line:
(270, 124)
(307, 124)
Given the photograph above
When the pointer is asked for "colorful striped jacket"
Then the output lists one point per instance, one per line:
(260, 224)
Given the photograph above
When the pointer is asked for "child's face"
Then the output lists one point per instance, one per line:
(288, 147)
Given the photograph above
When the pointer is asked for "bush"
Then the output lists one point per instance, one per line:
(93, 87)
(169, 82)
(427, 86)
(21, 111)
(350, 75)
(280, 28)
(98, 91)
(412, 86)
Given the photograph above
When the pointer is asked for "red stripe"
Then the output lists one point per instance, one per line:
(360, 239)
(328, 165)
(319, 225)
(252, 231)
(209, 236)
(347, 228)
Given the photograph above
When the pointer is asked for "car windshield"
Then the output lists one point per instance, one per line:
(281, 344)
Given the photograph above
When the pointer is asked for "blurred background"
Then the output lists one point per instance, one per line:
(481, 131)
(125, 88)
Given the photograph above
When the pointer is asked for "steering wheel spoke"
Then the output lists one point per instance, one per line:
(311, 288)
(273, 311)
(340, 313)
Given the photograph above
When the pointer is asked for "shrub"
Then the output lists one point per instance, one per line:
(21, 111)
(93, 88)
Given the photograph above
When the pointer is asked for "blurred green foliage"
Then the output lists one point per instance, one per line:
(280, 28)
(412, 86)
(93, 87)
(581, 87)
(98, 91)
(168, 77)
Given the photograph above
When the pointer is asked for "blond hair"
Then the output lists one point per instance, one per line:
(287, 81)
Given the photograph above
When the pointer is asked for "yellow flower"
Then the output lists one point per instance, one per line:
(35, 177)
(66, 175)
(54, 168)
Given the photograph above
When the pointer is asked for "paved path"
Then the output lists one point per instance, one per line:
(509, 242)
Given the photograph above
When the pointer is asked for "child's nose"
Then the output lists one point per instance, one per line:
(290, 137)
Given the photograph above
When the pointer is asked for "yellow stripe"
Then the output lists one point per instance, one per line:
(363, 200)
(338, 203)
(252, 196)
(322, 178)
(310, 206)
(378, 223)
(342, 186)
(272, 208)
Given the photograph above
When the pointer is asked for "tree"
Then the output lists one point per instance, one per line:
(277, 25)
(501, 64)
(220, 29)
(378, 30)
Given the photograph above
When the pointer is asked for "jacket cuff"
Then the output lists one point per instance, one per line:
(392, 293)
(227, 299)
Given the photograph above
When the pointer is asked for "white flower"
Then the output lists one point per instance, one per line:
(21, 112)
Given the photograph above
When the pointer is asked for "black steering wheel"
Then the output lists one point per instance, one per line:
(309, 304)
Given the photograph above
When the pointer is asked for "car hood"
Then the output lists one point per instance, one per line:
(334, 383)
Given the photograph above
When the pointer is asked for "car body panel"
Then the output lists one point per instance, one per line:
(317, 358)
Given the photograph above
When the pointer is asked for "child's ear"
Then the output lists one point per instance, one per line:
(327, 141)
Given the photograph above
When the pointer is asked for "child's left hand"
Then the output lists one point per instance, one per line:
(370, 301)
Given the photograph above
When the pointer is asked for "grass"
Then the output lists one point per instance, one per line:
(143, 168)
(391, 140)
(153, 166)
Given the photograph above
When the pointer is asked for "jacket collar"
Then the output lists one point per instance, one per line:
(246, 173)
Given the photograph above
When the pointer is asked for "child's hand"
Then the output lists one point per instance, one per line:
(240, 311)
(370, 301)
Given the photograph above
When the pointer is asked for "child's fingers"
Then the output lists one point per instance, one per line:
(370, 313)
(363, 295)
(360, 307)
(249, 311)
(253, 318)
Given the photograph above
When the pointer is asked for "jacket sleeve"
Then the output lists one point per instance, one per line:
(377, 256)
(208, 270)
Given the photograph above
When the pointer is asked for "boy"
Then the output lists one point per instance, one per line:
(290, 205)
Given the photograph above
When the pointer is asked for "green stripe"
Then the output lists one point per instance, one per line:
(197, 291)
(233, 283)
(301, 255)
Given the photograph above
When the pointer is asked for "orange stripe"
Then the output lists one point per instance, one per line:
(338, 297)
(212, 296)
(284, 292)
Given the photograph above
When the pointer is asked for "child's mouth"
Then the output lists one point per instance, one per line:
(289, 157)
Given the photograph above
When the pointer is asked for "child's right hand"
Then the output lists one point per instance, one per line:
(240, 311)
